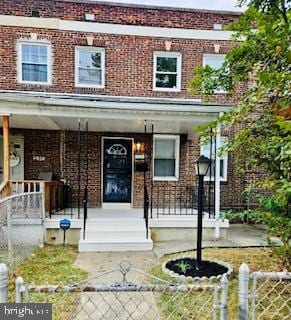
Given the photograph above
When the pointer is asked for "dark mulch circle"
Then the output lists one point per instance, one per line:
(207, 269)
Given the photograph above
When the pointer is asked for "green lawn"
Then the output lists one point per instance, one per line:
(51, 264)
(258, 259)
(55, 264)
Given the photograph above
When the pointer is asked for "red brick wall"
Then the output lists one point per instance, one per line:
(72, 10)
(48, 144)
(128, 59)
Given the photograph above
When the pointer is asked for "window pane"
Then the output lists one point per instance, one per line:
(89, 59)
(166, 64)
(212, 169)
(90, 76)
(34, 53)
(164, 168)
(166, 80)
(34, 72)
(164, 149)
(214, 62)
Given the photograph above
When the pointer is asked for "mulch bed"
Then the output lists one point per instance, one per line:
(207, 268)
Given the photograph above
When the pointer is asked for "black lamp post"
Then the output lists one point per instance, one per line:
(201, 165)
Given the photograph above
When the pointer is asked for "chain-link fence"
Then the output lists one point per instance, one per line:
(264, 295)
(128, 293)
(270, 296)
(21, 226)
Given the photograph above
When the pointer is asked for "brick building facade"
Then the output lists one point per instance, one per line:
(136, 79)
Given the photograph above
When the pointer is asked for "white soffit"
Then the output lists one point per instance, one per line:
(109, 28)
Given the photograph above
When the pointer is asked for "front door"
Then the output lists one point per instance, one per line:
(117, 170)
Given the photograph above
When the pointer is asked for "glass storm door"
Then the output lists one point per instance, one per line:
(117, 170)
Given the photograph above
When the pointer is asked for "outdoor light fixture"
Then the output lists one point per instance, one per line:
(138, 147)
(201, 165)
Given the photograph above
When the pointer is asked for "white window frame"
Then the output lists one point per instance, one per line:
(167, 54)
(217, 56)
(176, 138)
(49, 62)
(92, 49)
(224, 157)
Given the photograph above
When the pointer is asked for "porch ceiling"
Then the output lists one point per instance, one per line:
(105, 114)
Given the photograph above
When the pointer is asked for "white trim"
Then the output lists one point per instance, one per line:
(177, 156)
(93, 49)
(19, 61)
(215, 56)
(132, 174)
(224, 158)
(110, 28)
(176, 55)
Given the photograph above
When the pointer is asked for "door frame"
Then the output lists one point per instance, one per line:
(112, 204)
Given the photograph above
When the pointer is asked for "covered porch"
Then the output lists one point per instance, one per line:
(67, 136)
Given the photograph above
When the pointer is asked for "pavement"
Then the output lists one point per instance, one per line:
(239, 235)
(142, 305)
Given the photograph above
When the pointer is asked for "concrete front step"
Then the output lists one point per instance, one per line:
(117, 245)
(114, 235)
(112, 226)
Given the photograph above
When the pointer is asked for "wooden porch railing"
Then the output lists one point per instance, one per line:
(5, 189)
(53, 192)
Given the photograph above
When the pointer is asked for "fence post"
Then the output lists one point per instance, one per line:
(43, 218)
(243, 295)
(9, 234)
(4, 276)
(223, 297)
(19, 282)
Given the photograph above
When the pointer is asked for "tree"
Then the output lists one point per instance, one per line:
(261, 54)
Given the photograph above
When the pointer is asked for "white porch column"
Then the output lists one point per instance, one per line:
(217, 185)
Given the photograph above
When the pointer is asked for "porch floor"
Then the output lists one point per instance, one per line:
(125, 213)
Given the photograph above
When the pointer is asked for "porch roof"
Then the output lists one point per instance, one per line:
(55, 111)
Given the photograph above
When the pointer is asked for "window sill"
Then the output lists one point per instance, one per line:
(206, 179)
(165, 179)
(166, 90)
(36, 83)
(78, 85)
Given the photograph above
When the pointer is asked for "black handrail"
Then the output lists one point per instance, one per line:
(146, 211)
(178, 199)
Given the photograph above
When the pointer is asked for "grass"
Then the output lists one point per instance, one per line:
(257, 259)
(53, 265)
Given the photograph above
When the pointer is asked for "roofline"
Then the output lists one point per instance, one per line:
(153, 7)
(106, 98)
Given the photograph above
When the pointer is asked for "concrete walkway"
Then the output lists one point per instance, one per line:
(239, 235)
(142, 305)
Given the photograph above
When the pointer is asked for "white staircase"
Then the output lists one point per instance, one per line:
(107, 234)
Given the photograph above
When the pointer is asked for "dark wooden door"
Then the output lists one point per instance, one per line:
(117, 170)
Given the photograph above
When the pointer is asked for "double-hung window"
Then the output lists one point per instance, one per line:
(167, 71)
(34, 63)
(205, 150)
(166, 157)
(215, 61)
(90, 67)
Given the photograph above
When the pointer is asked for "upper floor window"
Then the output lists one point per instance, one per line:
(166, 157)
(90, 67)
(167, 71)
(215, 61)
(205, 150)
(34, 63)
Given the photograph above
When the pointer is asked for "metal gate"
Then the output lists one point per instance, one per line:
(129, 293)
